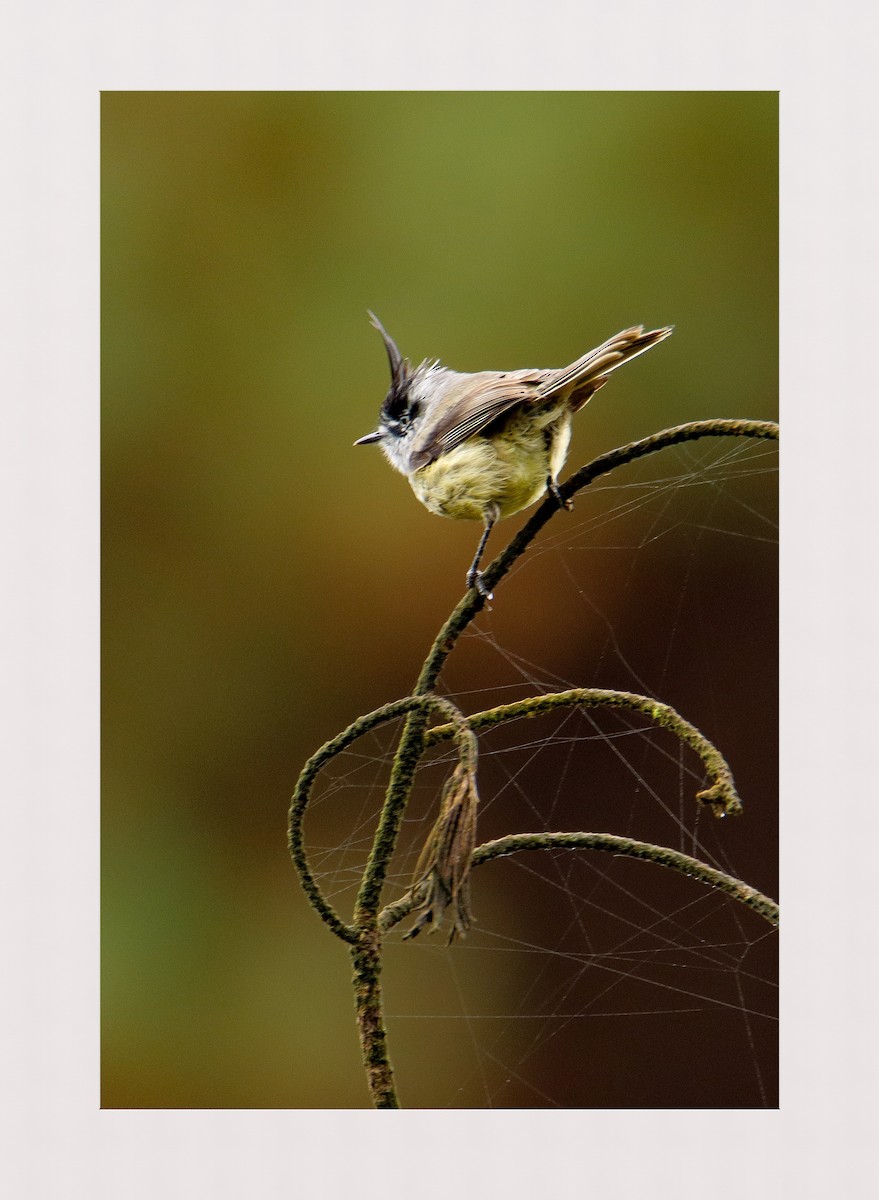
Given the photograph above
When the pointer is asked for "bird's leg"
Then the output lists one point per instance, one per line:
(474, 575)
(557, 437)
(553, 488)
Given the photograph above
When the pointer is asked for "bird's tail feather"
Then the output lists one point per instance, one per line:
(594, 367)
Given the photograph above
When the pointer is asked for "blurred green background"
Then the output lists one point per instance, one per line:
(263, 581)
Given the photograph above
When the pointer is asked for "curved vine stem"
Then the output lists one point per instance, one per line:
(721, 797)
(385, 838)
(449, 842)
(472, 601)
(364, 935)
(411, 744)
(661, 855)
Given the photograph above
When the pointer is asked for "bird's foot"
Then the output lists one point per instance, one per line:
(475, 580)
(553, 488)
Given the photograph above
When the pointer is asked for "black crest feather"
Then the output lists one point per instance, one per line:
(397, 399)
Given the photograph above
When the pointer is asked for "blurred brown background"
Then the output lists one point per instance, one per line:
(264, 582)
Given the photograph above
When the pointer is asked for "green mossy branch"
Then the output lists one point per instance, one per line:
(363, 935)
(472, 602)
(663, 856)
(721, 796)
(389, 820)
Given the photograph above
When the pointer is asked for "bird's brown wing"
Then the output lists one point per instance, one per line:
(470, 403)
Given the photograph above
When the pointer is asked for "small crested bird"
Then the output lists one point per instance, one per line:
(483, 446)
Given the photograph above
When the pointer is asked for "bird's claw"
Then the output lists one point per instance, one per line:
(475, 580)
(553, 488)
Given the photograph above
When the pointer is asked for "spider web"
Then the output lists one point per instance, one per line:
(588, 979)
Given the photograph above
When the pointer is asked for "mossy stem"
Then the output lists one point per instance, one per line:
(473, 601)
(363, 934)
(721, 796)
(663, 856)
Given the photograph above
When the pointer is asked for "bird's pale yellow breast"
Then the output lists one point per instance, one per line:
(507, 468)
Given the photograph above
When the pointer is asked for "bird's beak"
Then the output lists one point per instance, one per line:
(369, 439)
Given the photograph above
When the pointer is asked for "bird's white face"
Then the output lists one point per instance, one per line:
(395, 445)
(402, 415)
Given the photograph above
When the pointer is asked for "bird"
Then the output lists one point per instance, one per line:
(482, 446)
